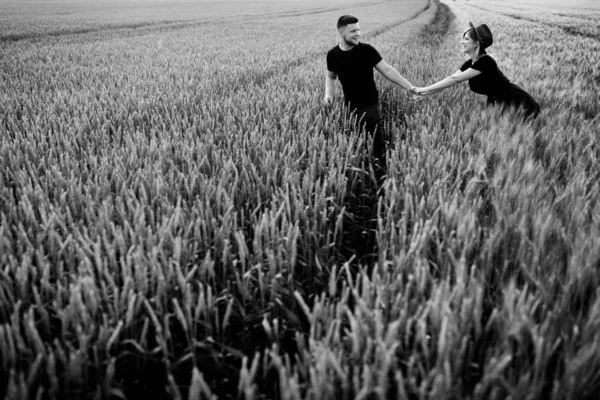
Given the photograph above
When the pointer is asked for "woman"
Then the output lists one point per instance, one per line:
(484, 76)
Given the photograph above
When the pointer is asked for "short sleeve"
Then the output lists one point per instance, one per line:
(483, 64)
(465, 66)
(373, 55)
(330, 63)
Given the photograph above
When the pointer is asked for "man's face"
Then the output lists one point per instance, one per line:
(350, 34)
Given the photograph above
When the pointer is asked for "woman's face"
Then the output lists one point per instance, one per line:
(468, 45)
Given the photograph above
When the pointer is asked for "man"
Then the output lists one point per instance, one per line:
(353, 63)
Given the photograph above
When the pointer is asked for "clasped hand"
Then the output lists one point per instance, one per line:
(419, 93)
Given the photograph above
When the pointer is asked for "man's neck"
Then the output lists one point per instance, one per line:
(346, 47)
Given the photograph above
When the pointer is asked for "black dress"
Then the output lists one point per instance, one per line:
(496, 86)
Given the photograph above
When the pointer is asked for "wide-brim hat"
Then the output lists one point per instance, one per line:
(484, 34)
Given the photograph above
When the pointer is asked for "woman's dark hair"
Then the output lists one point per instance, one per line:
(345, 20)
(472, 33)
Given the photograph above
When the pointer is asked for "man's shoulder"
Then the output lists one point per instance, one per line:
(334, 49)
(366, 46)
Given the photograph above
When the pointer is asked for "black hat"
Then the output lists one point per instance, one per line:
(483, 34)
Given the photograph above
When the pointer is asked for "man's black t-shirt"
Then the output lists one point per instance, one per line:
(355, 70)
(491, 81)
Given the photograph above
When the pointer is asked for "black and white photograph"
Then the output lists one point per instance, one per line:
(300, 199)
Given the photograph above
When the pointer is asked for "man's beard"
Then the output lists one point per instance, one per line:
(349, 44)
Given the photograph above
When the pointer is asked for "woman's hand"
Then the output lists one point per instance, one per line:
(419, 93)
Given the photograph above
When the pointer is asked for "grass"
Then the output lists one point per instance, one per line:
(180, 217)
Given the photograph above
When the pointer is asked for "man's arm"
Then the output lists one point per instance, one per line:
(329, 87)
(393, 76)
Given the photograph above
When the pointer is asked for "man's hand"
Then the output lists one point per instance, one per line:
(327, 101)
(419, 93)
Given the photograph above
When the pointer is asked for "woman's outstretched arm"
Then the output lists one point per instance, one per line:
(458, 77)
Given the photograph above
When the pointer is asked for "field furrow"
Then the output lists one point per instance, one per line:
(571, 26)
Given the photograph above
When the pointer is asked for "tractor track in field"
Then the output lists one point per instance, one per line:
(359, 243)
(570, 30)
(322, 10)
(145, 28)
(137, 29)
(577, 16)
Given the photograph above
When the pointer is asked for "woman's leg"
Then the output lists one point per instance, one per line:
(521, 99)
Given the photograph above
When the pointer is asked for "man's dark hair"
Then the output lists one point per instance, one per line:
(345, 20)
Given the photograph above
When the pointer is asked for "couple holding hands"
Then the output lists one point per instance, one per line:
(353, 62)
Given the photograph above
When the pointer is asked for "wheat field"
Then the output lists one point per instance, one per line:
(180, 217)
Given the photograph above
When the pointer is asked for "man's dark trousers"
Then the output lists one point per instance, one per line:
(369, 118)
